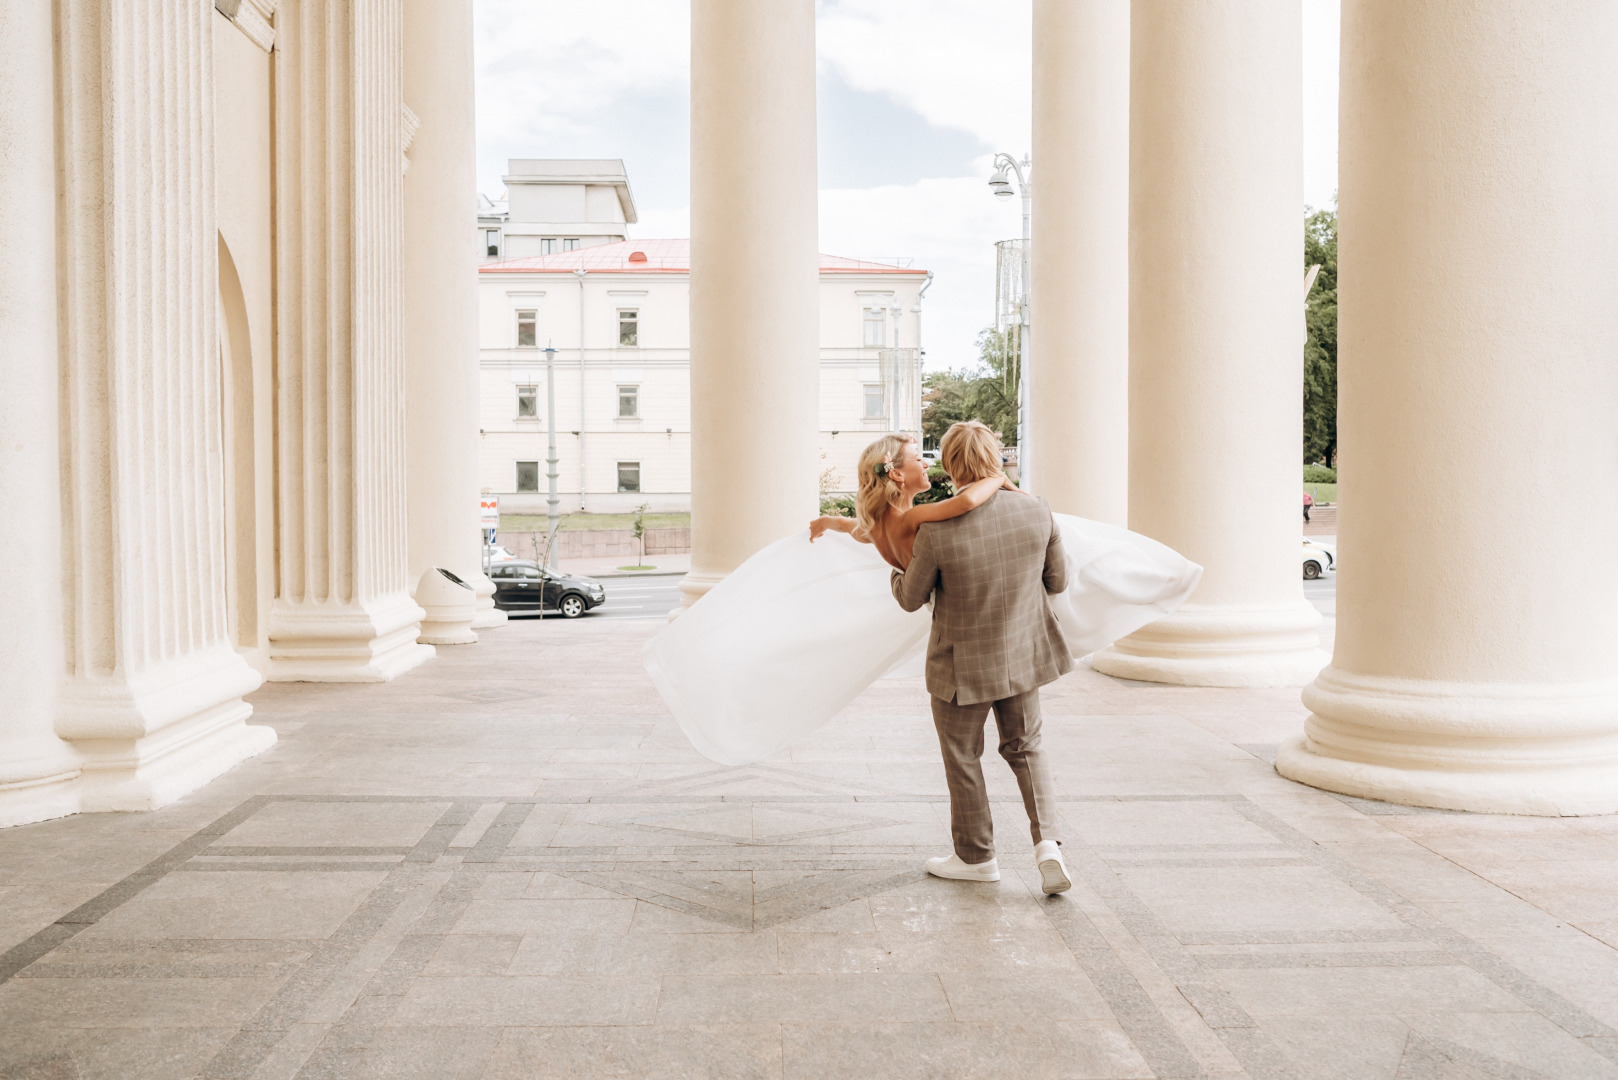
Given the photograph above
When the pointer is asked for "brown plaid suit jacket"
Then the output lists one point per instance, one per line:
(994, 634)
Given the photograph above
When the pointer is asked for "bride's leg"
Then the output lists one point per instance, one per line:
(960, 741)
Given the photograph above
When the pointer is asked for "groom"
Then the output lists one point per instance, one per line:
(994, 643)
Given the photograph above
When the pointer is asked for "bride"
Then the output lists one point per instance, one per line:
(799, 630)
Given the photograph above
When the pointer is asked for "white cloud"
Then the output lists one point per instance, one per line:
(553, 78)
(959, 63)
(1320, 51)
(948, 226)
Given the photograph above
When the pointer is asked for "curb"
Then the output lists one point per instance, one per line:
(602, 576)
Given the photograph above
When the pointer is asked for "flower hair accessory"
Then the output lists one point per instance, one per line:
(884, 467)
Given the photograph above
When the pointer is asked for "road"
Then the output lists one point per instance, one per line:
(655, 595)
(649, 597)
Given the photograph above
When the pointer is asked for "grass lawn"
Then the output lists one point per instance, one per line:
(1323, 493)
(525, 523)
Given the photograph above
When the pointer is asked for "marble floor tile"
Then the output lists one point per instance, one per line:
(240, 904)
(1361, 991)
(663, 1052)
(730, 999)
(527, 1000)
(961, 1051)
(510, 863)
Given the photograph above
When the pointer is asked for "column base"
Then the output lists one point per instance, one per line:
(39, 780)
(1218, 645)
(487, 614)
(158, 735)
(1548, 750)
(693, 587)
(374, 642)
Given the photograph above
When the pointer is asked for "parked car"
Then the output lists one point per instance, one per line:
(524, 585)
(1317, 558)
(500, 554)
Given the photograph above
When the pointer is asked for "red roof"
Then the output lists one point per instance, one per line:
(657, 256)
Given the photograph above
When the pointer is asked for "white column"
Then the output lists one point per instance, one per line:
(344, 611)
(153, 696)
(755, 274)
(1215, 338)
(441, 304)
(38, 772)
(1079, 379)
(1476, 662)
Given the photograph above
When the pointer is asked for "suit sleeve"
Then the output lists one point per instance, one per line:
(912, 587)
(1055, 561)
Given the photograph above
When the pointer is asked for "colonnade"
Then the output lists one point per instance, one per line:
(1478, 606)
(1478, 634)
(124, 659)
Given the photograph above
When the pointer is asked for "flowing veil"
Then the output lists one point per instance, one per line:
(799, 630)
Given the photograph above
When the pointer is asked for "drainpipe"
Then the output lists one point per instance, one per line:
(582, 418)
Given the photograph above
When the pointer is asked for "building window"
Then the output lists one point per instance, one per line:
(628, 402)
(547, 246)
(491, 241)
(527, 402)
(570, 245)
(629, 476)
(876, 328)
(527, 476)
(876, 406)
(527, 329)
(629, 327)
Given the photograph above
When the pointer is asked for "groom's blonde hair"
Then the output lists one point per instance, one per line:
(969, 451)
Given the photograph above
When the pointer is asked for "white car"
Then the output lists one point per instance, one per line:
(1318, 558)
(498, 555)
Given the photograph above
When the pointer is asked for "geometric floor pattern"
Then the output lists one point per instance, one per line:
(510, 864)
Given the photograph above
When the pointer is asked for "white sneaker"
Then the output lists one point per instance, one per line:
(953, 868)
(1052, 870)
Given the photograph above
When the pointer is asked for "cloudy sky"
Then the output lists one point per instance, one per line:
(915, 98)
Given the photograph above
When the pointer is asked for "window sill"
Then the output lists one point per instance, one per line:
(626, 421)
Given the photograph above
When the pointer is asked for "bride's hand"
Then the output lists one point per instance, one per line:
(818, 527)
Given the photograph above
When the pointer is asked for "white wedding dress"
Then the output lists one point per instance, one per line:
(799, 630)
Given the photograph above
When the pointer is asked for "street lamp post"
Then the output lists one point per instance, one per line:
(1001, 186)
(552, 501)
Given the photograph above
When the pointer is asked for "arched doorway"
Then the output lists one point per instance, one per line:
(236, 421)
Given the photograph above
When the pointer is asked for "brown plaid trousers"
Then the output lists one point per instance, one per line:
(994, 642)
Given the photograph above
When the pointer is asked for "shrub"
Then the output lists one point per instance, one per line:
(1319, 474)
(941, 489)
(837, 505)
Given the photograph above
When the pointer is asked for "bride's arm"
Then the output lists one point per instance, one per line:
(819, 526)
(968, 498)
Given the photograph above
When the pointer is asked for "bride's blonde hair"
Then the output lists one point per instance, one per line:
(879, 487)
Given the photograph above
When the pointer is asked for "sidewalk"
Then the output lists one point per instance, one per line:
(608, 567)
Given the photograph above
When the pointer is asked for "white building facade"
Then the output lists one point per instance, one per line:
(555, 205)
(623, 434)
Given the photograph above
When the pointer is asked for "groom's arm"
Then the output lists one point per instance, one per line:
(1055, 561)
(913, 586)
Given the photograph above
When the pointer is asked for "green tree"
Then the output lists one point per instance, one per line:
(987, 392)
(1320, 352)
(945, 399)
(994, 399)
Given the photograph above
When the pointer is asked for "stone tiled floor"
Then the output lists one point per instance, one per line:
(510, 864)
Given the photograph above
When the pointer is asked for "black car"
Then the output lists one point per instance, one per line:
(526, 586)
